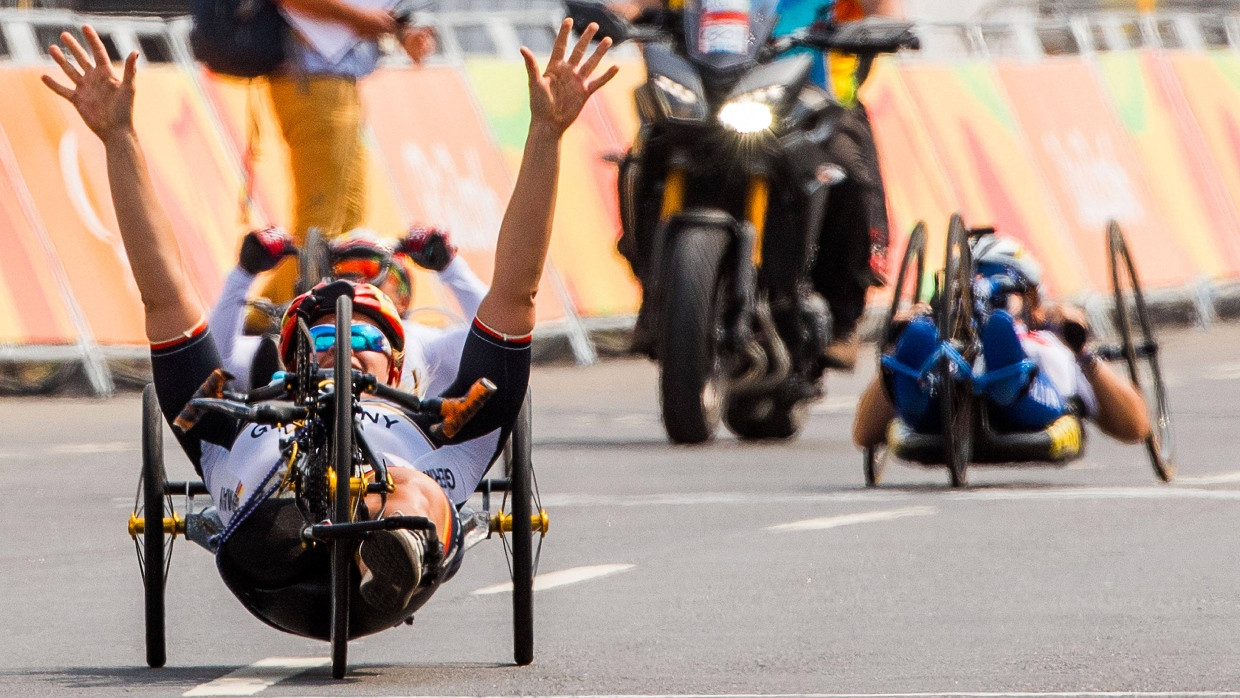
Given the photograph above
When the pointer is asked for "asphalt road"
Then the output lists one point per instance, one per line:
(1092, 578)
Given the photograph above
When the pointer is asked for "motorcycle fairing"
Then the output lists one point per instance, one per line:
(673, 89)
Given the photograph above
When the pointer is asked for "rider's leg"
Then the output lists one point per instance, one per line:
(392, 562)
(911, 396)
(1027, 400)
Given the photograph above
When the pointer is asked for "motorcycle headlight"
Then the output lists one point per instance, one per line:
(678, 101)
(746, 117)
(753, 111)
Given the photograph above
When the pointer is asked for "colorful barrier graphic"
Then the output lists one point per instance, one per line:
(1046, 151)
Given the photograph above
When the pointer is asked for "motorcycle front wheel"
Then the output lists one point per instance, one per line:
(690, 331)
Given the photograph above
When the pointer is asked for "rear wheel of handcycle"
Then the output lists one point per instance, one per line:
(905, 293)
(956, 327)
(519, 545)
(342, 465)
(155, 547)
(1140, 352)
(690, 372)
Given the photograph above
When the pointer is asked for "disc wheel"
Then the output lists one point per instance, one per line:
(1139, 350)
(520, 548)
(956, 327)
(154, 545)
(690, 372)
(342, 466)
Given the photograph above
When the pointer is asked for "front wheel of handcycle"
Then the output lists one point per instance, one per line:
(956, 328)
(153, 553)
(875, 463)
(342, 465)
(905, 294)
(1139, 350)
(519, 544)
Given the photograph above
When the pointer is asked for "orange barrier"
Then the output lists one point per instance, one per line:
(445, 167)
(583, 247)
(1045, 151)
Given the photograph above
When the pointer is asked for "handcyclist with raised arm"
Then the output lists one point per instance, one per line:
(183, 353)
(359, 255)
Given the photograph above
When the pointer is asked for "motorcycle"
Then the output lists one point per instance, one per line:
(722, 197)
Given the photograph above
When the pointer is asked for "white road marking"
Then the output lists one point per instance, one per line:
(252, 679)
(835, 405)
(1219, 479)
(936, 694)
(1225, 372)
(559, 578)
(72, 449)
(892, 495)
(823, 523)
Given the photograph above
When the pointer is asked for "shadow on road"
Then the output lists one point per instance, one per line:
(119, 677)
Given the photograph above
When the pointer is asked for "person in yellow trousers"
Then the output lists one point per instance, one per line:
(318, 107)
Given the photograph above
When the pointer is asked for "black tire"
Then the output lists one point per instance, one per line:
(906, 292)
(1140, 348)
(874, 465)
(765, 417)
(342, 464)
(956, 326)
(690, 373)
(312, 262)
(524, 506)
(154, 550)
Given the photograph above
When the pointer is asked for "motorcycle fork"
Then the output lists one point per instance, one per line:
(756, 203)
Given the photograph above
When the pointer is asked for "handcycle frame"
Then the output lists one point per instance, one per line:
(339, 529)
(968, 436)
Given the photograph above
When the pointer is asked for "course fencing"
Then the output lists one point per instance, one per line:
(987, 122)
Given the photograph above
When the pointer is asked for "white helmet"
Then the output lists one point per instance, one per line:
(993, 255)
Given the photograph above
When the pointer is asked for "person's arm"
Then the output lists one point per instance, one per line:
(883, 8)
(228, 317)
(556, 98)
(1121, 411)
(363, 21)
(874, 414)
(465, 284)
(105, 103)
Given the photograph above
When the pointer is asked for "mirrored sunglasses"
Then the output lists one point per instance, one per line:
(362, 337)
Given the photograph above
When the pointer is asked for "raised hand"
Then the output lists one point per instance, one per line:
(263, 249)
(104, 102)
(559, 92)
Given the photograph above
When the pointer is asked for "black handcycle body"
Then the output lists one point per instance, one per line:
(969, 433)
(293, 564)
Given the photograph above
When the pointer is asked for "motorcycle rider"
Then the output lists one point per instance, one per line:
(852, 247)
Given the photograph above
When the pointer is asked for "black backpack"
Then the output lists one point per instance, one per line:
(242, 38)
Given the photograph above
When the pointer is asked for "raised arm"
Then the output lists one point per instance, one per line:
(105, 103)
(557, 96)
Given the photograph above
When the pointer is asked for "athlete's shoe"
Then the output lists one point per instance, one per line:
(394, 568)
(841, 353)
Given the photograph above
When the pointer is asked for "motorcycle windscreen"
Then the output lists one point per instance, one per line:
(725, 34)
